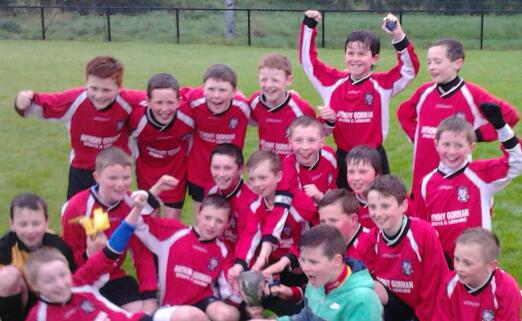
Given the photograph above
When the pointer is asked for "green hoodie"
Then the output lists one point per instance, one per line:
(353, 300)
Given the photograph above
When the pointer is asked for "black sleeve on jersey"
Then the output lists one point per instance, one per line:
(294, 263)
(401, 45)
(309, 22)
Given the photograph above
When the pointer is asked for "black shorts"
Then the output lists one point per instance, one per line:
(122, 290)
(204, 303)
(177, 205)
(196, 192)
(396, 309)
(79, 179)
(341, 165)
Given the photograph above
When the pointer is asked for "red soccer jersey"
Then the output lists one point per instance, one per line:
(90, 129)
(240, 199)
(362, 106)
(322, 173)
(210, 130)
(273, 122)
(361, 246)
(160, 149)
(499, 299)
(454, 201)
(188, 268)
(411, 266)
(84, 203)
(420, 115)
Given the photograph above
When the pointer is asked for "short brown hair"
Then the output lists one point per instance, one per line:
(366, 155)
(105, 67)
(260, 156)
(349, 202)
(112, 156)
(486, 240)
(454, 48)
(369, 39)
(28, 200)
(216, 201)
(41, 256)
(457, 125)
(230, 150)
(388, 185)
(305, 121)
(162, 81)
(325, 236)
(276, 61)
(221, 72)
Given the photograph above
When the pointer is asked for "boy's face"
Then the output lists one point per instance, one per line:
(54, 281)
(470, 266)
(359, 174)
(453, 148)
(318, 267)
(218, 94)
(306, 142)
(225, 171)
(101, 91)
(334, 215)
(114, 181)
(263, 180)
(211, 222)
(386, 212)
(358, 59)
(440, 67)
(163, 103)
(274, 84)
(29, 226)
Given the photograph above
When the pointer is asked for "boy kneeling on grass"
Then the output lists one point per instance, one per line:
(66, 296)
(338, 288)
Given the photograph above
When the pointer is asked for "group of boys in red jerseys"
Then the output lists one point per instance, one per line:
(416, 245)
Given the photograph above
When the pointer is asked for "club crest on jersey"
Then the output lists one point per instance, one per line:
(407, 267)
(368, 98)
(233, 122)
(120, 124)
(212, 263)
(462, 194)
(488, 315)
(86, 306)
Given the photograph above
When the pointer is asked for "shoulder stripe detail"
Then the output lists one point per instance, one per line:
(478, 120)
(414, 245)
(452, 284)
(329, 157)
(243, 106)
(197, 102)
(295, 109)
(486, 197)
(185, 118)
(124, 104)
(254, 102)
(41, 315)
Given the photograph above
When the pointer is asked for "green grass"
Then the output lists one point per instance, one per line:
(34, 152)
(268, 29)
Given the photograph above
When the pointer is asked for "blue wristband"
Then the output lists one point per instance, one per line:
(121, 236)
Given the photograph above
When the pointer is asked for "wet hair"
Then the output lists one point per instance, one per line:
(305, 121)
(349, 202)
(28, 200)
(365, 155)
(230, 150)
(260, 156)
(486, 240)
(105, 67)
(39, 257)
(369, 40)
(388, 185)
(276, 61)
(457, 125)
(162, 81)
(112, 156)
(221, 72)
(454, 48)
(325, 236)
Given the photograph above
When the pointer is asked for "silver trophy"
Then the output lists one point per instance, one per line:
(251, 287)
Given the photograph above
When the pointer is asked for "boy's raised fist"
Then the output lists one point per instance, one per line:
(313, 14)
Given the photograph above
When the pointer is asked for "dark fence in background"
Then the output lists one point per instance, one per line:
(48, 13)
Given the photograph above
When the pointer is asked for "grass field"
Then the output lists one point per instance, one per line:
(34, 152)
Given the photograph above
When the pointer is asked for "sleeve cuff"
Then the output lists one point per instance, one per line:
(283, 198)
(269, 238)
(153, 201)
(242, 263)
(310, 22)
(297, 294)
(505, 133)
(294, 263)
(401, 44)
(478, 136)
(110, 253)
(330, 124)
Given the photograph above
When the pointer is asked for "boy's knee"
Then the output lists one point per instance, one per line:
(220, 311)
(180, 313)
(11, 281)
(133, 306)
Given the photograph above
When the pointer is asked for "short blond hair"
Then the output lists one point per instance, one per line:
(260, 156)
(486, 240)
(41, 256)
(112, 156)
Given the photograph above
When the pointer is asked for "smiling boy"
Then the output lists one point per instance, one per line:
(95, 115)
(356, 100)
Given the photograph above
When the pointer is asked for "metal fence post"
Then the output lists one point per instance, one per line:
(323, 14)
(248, 27)
(109, 38)
(400, 17)
(177, 25)
(481, 29)
(42, 16)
